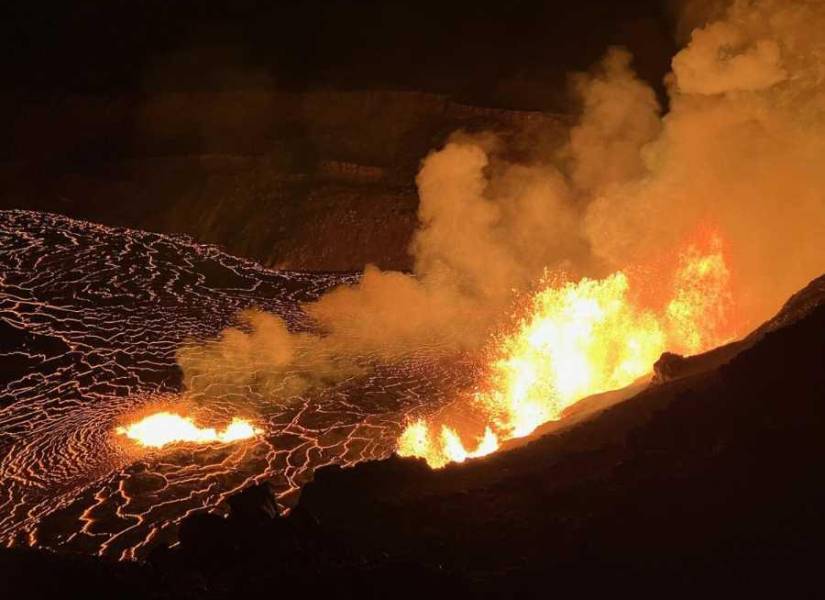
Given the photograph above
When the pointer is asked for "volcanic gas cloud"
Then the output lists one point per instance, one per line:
(568, 271)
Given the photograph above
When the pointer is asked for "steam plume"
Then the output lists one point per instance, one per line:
(740, 149)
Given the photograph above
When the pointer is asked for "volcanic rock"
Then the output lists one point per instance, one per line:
(256, 504)
(205, 535)
(669, 366)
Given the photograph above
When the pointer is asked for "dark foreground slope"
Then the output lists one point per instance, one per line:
(707, 483)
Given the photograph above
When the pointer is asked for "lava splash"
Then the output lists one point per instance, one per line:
(163, 428)
(583, 338)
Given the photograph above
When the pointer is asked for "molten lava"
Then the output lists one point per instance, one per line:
(162, 428)
(579, 339)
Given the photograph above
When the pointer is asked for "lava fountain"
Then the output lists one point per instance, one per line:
(162, 428)
(583, 338)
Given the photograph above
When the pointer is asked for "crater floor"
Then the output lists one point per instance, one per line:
(90, 321)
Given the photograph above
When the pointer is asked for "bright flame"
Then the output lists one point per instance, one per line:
(416, 441)
(159, 429)
(581, 339)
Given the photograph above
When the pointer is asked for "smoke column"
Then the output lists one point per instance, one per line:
(740, 148)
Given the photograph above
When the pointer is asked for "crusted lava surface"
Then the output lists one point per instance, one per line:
(90, 321)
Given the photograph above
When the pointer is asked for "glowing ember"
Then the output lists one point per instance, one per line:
(160, 429)
(581, 339)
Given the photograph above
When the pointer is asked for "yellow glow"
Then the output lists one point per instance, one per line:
(579, 339)
(162, 428)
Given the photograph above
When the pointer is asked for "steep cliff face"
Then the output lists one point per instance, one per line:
(317, 180)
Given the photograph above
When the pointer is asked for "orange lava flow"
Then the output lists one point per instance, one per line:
(579, 339)
(162, 428)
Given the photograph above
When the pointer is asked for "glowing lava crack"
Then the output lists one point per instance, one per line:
(92, 318)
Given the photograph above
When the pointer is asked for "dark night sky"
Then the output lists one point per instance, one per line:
(513, 53)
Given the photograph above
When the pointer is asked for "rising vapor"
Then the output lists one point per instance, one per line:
(739, 152)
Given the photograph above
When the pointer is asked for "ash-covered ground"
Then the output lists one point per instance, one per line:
(91, 319)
